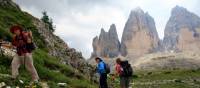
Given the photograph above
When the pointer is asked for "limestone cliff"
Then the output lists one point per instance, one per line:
(140, 35)
(107, 44)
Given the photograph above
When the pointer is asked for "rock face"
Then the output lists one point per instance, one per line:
(58, 48)
(6, 3)
(107, 44)
(182, 31)
(140, 35)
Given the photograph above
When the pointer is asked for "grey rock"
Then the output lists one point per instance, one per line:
(107, 44)
(8, 3)
(180, 19)
(58, 48)
(139, 22)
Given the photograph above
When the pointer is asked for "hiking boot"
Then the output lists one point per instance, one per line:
(35, 84)
(13, 79)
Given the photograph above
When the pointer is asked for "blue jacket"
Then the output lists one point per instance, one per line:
(101, 67)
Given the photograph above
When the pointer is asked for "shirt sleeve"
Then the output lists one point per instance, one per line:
(14, 42)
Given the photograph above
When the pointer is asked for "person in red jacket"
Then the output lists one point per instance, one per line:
(124, 81)
(24, 54)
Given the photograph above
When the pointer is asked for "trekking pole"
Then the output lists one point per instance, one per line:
(1, 51)
(24, 62)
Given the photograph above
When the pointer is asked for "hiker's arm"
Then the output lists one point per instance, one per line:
(14, 42)
(31, 34)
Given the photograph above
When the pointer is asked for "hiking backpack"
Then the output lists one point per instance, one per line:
(107, 68)
(127, 70)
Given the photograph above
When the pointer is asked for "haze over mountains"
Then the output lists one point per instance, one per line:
(140, 36)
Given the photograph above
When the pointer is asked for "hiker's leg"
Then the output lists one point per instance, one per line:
(126, 83)
(103, 81)
(30, 67)
(129, 80)
(15, 66)
(100, 81)
(122, 82)
(106, 84)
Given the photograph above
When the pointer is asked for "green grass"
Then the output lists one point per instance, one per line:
(163, 79)
(167, 79)
(49, 70)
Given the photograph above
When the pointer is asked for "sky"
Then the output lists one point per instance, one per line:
(79, 21)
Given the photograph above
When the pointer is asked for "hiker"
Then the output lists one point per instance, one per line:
(101, 69)
(22, 41)
(124, 71)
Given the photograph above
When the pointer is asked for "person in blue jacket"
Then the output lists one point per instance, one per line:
(102, 72)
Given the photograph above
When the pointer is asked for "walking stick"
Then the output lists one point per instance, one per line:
(1, 51)
(24, 62)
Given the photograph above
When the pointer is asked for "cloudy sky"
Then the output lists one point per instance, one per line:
(78, 21)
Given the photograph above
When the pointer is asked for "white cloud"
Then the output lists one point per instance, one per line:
(78, 21)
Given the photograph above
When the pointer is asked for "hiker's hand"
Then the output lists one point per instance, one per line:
(30, 33)
(113, 78)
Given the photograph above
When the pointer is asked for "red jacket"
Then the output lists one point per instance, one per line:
(20, 42)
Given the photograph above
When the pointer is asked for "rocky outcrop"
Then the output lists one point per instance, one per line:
(58, 48)
(55, 45)
(182, 31)
(170, 61)
(140, 35)
(8, 3)
(107, 44)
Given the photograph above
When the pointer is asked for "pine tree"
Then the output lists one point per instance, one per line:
(45, 18)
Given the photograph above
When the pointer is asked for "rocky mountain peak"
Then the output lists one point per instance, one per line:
(103, 31)
(137, 10)
(182, 22)
(140, 35)
(113, 28)
(113, 32)
(178, 10)
(107, 44)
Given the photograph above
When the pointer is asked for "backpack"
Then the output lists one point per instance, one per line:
(107, 68)
(31, 46)
(127, 70)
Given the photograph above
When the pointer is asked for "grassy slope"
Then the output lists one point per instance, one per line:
(167, 79)
(48, 67)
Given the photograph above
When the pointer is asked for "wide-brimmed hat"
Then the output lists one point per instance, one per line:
(14, 28)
